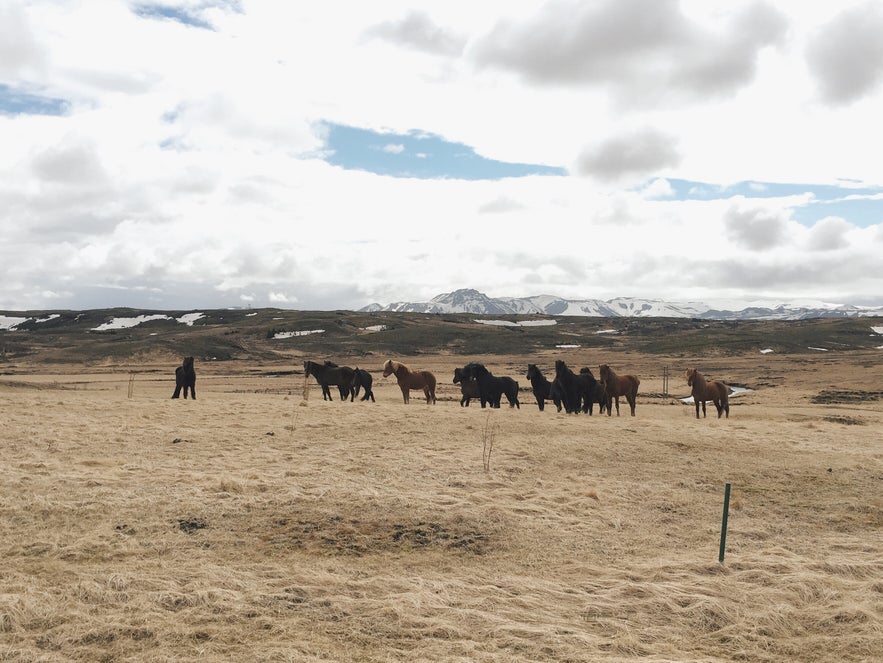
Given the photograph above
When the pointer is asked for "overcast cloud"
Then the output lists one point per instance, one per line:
(182, 155)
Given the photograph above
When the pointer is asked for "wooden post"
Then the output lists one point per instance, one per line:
(720, 557)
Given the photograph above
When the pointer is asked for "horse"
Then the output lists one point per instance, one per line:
(703, 390)
(361, 378)
(619, 385)
(409, 379)
(185, 377)
(468, 388)
(330, 373)
(490, 387)
(592, 391)
(569, 385)
(543, 388)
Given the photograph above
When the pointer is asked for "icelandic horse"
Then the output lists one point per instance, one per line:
(703, 390)
(619, 385)
(409, 379)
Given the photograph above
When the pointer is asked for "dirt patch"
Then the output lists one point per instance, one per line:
(190, 525)
(335, 534)
(833, 396)
(846, 421)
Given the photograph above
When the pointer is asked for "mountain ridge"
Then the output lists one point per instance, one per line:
(469, 300)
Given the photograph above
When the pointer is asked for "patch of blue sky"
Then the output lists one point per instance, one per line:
(859, 211)
(418, 155)
(18, 102)
(858, 204)
(166, 12)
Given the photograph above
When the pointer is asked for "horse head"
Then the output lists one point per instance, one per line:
(690, 374)
(458, 375)
(531, 371)
(188, 363)
(604, 372)
(388, 368)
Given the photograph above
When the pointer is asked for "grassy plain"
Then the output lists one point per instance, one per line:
(261, 523)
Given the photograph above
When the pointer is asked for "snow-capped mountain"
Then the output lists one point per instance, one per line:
(473, 301)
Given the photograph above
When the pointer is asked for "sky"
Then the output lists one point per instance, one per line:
(230, 153)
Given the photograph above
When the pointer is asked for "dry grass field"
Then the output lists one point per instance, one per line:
(255, 524)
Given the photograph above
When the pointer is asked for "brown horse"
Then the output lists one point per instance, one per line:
(409, 379)
(703, 390)
(619, 385)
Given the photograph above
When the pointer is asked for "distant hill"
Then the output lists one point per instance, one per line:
(140, 337)
(478, 303)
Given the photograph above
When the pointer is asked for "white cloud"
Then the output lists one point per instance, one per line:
(756, 229)
(829, 234)
(846, 54)
(633, 155)
(187, 171)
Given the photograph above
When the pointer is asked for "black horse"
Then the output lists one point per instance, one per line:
(490, 387)
(468, 387)
(592, 391)
(361, 378)
(185, 378)
(330, 373)
(543, 389)
(570, 387)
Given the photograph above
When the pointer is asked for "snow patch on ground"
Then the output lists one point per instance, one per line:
(766, 352)
(522, 323)
(126, 323)
(734, 391)
(376, 328)
(189, 318)
(292, 334)
(569, 346)
(8, 322)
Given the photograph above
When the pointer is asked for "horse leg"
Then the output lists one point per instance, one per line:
(703, 409)
(405, 393)
(632, 399)
(696, 400)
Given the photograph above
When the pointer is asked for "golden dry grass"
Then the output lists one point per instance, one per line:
(255, 524)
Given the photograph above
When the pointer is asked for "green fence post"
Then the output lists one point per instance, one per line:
(720, 557)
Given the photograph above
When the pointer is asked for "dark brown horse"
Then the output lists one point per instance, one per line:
(330, 373)
(468, 387)
(619, 385)
(361, 378)
(544, 389)
(703, 390)
(185, 378)
(409, 379)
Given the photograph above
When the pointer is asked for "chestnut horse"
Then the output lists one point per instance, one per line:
(409, 379)
(714, 391)
(619, 385)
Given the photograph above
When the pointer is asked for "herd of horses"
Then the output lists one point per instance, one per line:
(569, 391)
(572, 392)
